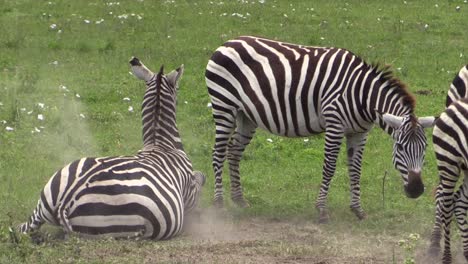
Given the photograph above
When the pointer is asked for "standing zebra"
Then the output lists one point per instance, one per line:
(459, 86)
(145, 195)
(450, 139)
(295, 91)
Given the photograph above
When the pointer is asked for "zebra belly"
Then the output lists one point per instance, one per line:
(295, 126)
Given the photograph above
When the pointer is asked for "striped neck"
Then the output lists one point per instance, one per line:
(387, 95)
(159, 115)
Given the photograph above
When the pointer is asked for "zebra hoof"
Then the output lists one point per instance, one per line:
(433, 251)
(324, 217)
(361, 215)
(241, 203)
(218, 203)
(447, 258)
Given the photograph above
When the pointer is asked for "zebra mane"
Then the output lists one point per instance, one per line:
(387, 75)
(157, 106)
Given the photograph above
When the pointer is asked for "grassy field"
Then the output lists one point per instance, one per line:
(64, 73)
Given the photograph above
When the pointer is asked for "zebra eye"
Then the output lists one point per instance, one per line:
(399, 146)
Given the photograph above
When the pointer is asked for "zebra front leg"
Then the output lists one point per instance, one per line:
(333, 139)
(241, 138)
(355, 146)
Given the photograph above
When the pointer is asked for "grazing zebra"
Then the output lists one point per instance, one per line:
(296, 91)
(459, 86)
(450, 138)
(146, 195)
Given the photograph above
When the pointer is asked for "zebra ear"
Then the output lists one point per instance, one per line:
(427, 121)
(174, 76)
(140, 70)
(392, 120)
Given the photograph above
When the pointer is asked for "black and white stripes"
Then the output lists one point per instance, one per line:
(450, 139)
(459, 86)
(293, 90)
(145, 195)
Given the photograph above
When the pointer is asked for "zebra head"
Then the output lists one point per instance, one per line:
(409, 149)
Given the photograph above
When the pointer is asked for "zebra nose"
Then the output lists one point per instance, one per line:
(415, 186)
(135, 62)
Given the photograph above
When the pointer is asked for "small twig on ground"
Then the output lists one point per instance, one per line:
(383, 189)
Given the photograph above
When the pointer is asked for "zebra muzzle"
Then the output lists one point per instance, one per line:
(415, 186)
(135, 62)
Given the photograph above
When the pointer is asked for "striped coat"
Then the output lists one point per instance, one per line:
(294, 91)
(146, 195)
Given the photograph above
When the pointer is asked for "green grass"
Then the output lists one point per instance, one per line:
(280, 179)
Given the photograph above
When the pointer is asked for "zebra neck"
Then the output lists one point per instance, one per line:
(159, 122)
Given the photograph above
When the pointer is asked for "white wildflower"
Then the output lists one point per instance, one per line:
(261, 1)
(59, 31)
(270, 140)
(285, 15)
(436, 5)
(55, 63)
(41, 105)
(185, 102)
(82, 116)
(130, 109)
(22, 109)
(426, 26)
(322, 38)
(461, 55)
(306, 140)
(30, 112)
(3, 121)
(139, 17)
(63, 87)
(53, 26)
(77, 95)
(40, 117)
(99, 21)
(37, 130)
(457, 8)
(9, 128)
(126, 99)
(209, 105)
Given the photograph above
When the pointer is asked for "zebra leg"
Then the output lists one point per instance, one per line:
(355, 146)
(35, 221)
(225, 124)
(436, 235)
(333, 139)
(461, 207)
(240, 139)
(446, 211)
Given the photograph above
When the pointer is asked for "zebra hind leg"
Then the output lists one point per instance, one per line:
(35, 221)
(241, 138)
(434, 248)
(224, 127)
(461, 207)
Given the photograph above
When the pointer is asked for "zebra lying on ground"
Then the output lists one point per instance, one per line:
(450, 138)
(145, 195)
(296, 91)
